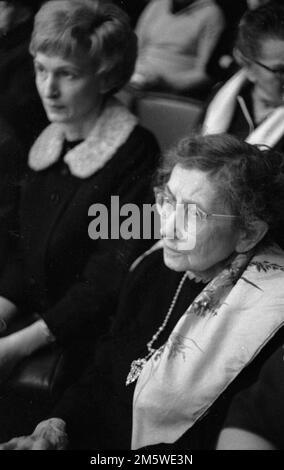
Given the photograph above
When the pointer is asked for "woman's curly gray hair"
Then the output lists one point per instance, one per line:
(249, 179)
(97, 29)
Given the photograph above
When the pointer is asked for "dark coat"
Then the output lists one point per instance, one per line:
(71, 280)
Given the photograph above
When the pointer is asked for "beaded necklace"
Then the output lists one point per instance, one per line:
(137, 365)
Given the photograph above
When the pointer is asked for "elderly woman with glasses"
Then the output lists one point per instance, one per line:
(250, 103)
(200, 314)
(93, 149)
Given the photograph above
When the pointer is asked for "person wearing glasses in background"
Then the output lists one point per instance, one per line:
(250, 104)
(200, 313)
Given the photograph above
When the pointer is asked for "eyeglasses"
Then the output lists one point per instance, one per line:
(277, 72)
(167, 205)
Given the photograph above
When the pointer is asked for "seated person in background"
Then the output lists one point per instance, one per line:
(84, 50)
(200, 311)
(11, 171)
(250, 104)
(255, 420)
(20, 104)
(175, 39)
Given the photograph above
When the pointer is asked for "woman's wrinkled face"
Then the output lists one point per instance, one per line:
(216, 238)
(69, 89)
(271, 85)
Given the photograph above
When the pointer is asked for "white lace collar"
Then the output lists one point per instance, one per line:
(112, 129)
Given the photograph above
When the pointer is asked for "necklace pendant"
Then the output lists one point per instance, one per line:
(135, 370)
(137, 365)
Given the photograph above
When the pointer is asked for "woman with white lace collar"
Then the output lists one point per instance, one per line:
(250, 104)
(84, 51)
(199, 314)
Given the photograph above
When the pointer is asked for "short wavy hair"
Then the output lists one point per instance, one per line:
(249, 179)
(98, 29)
(265, 22)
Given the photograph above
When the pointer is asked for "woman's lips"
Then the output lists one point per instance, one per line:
(172, 250)
(181, 251)
(56, 107)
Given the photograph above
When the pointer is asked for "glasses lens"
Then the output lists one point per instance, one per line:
(165, 205)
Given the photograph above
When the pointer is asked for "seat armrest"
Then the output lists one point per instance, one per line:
(46, 373)
(43, 374)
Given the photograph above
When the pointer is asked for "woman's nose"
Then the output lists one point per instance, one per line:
(172, 228)
(50, 87)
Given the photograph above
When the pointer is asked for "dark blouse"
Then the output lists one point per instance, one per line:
(101, 401)
(260, 408)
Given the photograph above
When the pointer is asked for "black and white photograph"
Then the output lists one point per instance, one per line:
(141, 229)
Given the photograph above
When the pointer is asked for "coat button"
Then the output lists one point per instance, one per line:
(54, 197)
(32, 281)
(64, 170)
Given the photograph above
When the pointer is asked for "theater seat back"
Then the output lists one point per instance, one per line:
(169, 117)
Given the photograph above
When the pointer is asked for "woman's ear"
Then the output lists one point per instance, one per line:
(251, 236)
(105, 85)
(107, 82)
